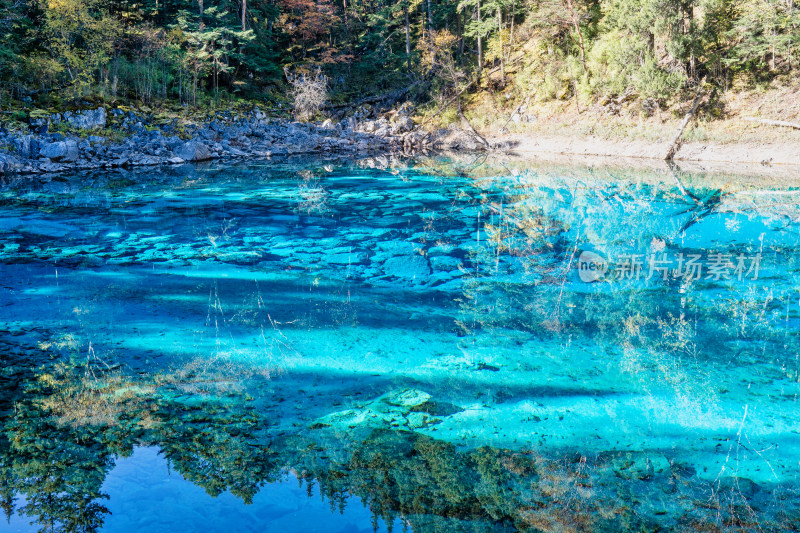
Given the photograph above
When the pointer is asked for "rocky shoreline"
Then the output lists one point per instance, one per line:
(142, 142)
(122, 138)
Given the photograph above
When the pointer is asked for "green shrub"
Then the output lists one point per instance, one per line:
(651, 81)
(610, 62)
(618, 61)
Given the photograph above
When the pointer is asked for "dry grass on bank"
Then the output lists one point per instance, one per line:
(723, 124)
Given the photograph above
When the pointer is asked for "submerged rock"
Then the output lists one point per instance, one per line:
(738, 485)
(403, 408)
(347, 258)
(413, 267)
(639, 465)
(407, 398)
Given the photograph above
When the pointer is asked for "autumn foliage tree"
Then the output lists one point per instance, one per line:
(80, 35)
(310, 24)
(199, 51)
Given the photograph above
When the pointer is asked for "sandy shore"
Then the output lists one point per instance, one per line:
(763, 154)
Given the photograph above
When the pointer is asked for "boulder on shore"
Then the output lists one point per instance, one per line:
(62, 151)
(27, 146)
(7, 163)
(193, 151)
(88, 119)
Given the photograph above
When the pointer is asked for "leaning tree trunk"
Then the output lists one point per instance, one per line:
(676, 142)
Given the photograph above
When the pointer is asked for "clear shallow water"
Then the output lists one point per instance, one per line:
(415, 342)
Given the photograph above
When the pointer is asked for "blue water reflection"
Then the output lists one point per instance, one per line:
(413, 336)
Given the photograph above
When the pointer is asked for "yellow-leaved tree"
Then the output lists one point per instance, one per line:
(81, 36)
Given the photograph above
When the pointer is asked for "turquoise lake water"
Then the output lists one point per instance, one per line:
(430, 345)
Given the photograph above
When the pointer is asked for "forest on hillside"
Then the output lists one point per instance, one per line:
(57, 52)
